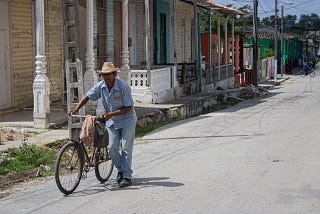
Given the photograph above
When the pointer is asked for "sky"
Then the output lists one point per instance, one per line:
(267, 7)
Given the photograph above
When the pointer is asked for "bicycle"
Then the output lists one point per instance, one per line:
(311, 72)
(74, 162)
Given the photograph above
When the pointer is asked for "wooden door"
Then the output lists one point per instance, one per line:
(5, 61)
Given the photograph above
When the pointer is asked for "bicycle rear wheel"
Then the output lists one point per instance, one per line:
(103, 165)
(69, 167)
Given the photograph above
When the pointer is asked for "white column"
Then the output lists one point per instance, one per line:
(125, 69)
(148, 92)
(41, 85)
(90, 76)
(209, 50)
(174, 73)
(233, 48)
(174, 32)
(226, 51)
(147, 41)
(219, 48)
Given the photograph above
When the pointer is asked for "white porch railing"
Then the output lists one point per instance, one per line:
(163, 81)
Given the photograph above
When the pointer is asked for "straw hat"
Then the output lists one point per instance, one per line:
(108, 67)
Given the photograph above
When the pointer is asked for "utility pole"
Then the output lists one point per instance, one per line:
(282, 58)
(276, 40)
(314, 43)
(255, 44)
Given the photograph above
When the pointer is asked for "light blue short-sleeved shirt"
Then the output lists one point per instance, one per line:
(118, 97)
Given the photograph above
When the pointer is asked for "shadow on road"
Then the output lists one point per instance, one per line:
(155, 181)
(137, 183)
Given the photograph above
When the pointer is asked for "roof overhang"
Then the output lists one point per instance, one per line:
(215, 7)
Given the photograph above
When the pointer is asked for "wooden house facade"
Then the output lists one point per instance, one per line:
(155, 43)
(17, 52)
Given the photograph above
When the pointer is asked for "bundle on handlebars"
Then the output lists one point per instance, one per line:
(93, 130)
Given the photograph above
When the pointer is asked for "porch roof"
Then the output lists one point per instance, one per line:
(220, 8)
(208, 4)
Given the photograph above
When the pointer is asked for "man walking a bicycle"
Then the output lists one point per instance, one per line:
(120, 119)
(306, 67)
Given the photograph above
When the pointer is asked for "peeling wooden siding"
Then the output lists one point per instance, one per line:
(54, 32)
(140, 34)
(22, 51)
(184, 12)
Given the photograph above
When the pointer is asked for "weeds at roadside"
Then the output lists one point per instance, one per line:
(26, 157)
(224, 105)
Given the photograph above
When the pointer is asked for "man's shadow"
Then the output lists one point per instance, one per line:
(138, 183)
(155, 181)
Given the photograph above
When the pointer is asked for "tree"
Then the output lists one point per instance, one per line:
(214, 24)
(247, 18)
(292, 25)
(310, 22)
(269, 21)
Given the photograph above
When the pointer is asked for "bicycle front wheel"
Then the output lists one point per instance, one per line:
(103, 165)
(69, 167)
(312, 73)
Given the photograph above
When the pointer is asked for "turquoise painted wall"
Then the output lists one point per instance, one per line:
(292, 48)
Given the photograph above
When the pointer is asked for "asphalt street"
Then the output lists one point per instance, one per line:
(259, 156)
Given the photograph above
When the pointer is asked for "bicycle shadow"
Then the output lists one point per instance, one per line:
(137, 183)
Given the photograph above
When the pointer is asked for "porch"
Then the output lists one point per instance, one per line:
(171, 81)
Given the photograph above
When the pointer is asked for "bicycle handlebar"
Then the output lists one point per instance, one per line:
(77, 115)
(99, 118)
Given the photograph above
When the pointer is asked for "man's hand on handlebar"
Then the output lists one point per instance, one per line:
(72, 111)
(106, 116)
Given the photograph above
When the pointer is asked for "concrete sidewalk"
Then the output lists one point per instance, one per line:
(17, 124)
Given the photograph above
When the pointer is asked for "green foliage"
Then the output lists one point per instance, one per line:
(247, 18)
(294, 26)
(26, 157)
(267, 53)
(204, 24)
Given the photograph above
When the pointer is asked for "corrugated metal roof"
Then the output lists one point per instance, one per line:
(210, 5)
(220, 8)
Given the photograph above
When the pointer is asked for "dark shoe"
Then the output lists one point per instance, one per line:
(125, 182)
(119, 177)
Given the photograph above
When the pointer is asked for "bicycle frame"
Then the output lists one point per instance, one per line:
(89, 159)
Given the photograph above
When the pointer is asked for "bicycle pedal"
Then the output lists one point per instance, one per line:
(86, 168)
(84, 176)
(99, 156)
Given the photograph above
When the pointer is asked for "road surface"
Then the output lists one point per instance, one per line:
(260, 156)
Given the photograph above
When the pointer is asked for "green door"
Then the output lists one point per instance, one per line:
(163, 38)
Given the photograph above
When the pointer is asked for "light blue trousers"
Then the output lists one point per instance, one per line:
(122, 158)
